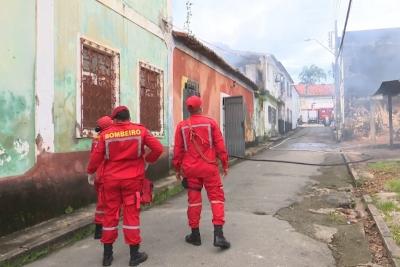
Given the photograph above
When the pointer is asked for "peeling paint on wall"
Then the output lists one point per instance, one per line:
(211, 85)
(94, 21)
(17, 53)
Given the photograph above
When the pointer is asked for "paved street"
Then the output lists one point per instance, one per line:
(255, 192)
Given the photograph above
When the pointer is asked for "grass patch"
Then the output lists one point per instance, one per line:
(395, 230)
(337, 217)
(385, 166)
(393, 186)
(361, 181)
(162, 196)
(387, 207)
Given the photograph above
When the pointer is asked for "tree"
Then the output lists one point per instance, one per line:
(312, 75)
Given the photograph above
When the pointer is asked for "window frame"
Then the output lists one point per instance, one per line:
(82, 41)
(144, 64)
(187, 80)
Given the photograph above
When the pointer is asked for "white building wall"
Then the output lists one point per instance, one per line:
(309, 105)
(317, 102)
(296, 107)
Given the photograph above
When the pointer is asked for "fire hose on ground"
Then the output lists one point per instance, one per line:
(304, 163)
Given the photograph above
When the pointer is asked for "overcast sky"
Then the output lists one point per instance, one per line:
(280, 27)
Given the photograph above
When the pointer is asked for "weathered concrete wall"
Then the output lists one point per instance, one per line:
(29, 192)
(104, 26)
(212, 84)
(17, 80)
(153, 10)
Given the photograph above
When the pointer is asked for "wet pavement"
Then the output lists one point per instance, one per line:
(269, 218)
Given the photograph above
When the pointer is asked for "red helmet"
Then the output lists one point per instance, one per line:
(117, 110)
(104, 122)
(193, 102)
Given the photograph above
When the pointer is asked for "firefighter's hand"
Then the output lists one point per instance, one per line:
(146, 165)
(178, 176)
(225, 173)
(91, 178)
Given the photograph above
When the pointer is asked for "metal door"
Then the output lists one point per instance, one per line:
(234, 125)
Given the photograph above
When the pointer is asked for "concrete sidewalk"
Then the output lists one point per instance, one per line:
(29, 244)
(254, 193)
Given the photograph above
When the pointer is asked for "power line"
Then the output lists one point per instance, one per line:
(344, 28)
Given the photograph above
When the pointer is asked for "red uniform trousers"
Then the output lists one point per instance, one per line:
(215, 193)
(124, 192)
(99, 214)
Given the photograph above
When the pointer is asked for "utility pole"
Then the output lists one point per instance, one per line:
(338, 110)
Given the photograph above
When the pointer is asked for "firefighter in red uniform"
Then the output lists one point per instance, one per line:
(198, 143)
(102, 124)
(122, 147)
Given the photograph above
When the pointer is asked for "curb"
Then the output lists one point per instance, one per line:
(383, 229)
(64, 230)
(59, 232)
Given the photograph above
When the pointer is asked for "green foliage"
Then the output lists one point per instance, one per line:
(395, 230)
(69, 210)
(386, 166)
(162, 196)
(387, 207)
(393, 185)
(337, 217)
(312, 75)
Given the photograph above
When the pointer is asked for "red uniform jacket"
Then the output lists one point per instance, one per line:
(206, 137)
(122, 148)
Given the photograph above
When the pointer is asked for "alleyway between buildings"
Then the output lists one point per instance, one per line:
(277, 215)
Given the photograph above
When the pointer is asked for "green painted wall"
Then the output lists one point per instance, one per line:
(153, 10)
(104, 26)
(17, 79)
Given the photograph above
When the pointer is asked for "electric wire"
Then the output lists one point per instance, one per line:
(344, 29)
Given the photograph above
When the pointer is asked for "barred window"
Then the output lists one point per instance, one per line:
(151, 98)
(191, 88)
(99, 84)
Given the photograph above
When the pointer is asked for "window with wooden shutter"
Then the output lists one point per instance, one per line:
(99, 84)
(151, 98)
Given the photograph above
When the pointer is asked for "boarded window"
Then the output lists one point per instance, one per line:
(151, 101)
(99, 82)
(191, 88)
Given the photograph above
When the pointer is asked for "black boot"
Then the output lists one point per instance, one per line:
(136, 256)
(108, 255)
(97, 231)
(219, 239)
(194, 238)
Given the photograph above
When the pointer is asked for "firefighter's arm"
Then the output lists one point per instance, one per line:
(96, 156)
(155, 146)
(219, 145)
(178, 149)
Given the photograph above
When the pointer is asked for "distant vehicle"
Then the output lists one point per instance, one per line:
(324, 114)
(313, 116)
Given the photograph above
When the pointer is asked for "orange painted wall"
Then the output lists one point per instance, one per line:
(211, 84)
